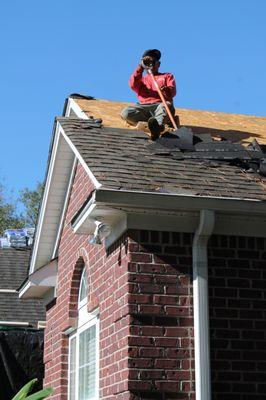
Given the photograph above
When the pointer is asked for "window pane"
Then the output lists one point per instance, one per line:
(72, 369)
(87, 363)
(83, 287)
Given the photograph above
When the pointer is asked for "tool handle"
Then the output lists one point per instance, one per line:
(163, 99)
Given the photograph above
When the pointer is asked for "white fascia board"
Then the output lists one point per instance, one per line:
(32, 291)
(40, 281)
(165, 213)
(85, 224)
(82, 162)
(96, 212)
(115, 218)
(72, 106)
(181, 213)
(54, 200)
(58, 175)
(62, 218)
(171, 201)
(44, 200)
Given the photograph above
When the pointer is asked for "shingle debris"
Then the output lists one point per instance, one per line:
(123, 159)
(203, 147)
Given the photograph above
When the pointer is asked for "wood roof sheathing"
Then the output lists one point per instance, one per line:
(235, 127)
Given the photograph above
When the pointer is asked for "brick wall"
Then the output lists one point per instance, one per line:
(107, 279)
(143, 288)
(161, 327)
(237, 281)
(144, 305)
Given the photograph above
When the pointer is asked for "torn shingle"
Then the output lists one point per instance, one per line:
(155, 166)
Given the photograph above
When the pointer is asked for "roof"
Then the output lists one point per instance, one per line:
(14, 263)
(123, 159)
(131, 172)
(21, 310)
(236, 127)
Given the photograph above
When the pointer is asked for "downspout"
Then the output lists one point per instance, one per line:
(201, 305)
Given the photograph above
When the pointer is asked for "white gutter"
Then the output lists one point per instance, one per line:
(201, 305)
(178, 201)
(8, 291)
(14, 323)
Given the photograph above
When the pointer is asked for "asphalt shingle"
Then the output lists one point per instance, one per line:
(122, 159)
(14, 263)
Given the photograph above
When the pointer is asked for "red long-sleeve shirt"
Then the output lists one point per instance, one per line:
(146, 90)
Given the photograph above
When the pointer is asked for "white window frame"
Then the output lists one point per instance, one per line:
(85, 321)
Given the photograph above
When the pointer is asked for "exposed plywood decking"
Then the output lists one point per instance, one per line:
(235, 127)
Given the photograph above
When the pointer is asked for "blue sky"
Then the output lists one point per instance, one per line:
(216, 50)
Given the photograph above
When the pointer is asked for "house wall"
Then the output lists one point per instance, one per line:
(144, 308)
(161, 363)
(237, 290)
(143, 289)
(107, 281)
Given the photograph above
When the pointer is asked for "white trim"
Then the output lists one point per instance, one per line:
(201, 305)
(85, 321)
(117, 229)
(40, 281)
(181, 202)
(25, 289)
(82, 162)
(14, 323)
(41, 324)
(8, 291)
(72, 105)
(45, 199)
(60, 227)
(85, 217)
(92, 322)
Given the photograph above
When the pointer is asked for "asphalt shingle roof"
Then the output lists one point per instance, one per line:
(14, 264)
(21, 310)
(124, 159)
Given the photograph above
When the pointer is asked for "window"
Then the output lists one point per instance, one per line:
(83, 374)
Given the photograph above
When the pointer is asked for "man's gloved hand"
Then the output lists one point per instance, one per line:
(164, 90)
(147, 62)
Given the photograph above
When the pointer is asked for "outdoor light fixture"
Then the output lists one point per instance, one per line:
(102, 230)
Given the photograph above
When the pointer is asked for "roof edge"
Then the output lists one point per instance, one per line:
(172, 201)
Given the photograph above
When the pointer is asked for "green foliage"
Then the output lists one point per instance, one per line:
(8, 216)
(23, 393)
(31, 200)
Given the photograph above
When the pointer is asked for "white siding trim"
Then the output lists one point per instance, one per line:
(72, 105)
(60, 227)
(82, 162)
(45, 198)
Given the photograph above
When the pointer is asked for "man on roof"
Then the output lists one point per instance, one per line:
(149, 107)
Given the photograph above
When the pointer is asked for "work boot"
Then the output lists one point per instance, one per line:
(155, 128)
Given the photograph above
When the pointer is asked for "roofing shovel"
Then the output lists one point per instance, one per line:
(183, 135)
(149, 71)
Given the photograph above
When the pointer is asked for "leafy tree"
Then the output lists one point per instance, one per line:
(8, 215)
(31, 199)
